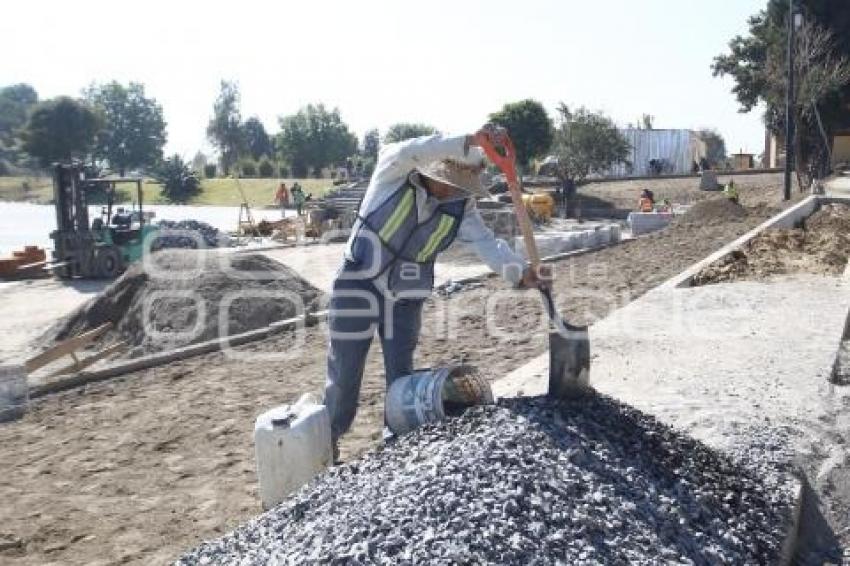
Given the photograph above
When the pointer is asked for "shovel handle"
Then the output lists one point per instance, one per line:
(507, 163)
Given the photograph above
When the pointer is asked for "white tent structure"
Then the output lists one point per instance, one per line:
(672, 152)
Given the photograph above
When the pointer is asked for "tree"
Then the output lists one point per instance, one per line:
(585, 143)
(199, 162)
(757, 64)
(61, 129)
(715, 147)
(256, 140)
(16, 101)
(371, 144)
(529, 126)
(314, 138)
(179, 182)
(133, 133)
(405, 131)
(646, 122)
(225, 128)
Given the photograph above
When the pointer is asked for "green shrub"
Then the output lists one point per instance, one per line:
(179, 182)
(284, 172)
(266, 168)
(247, 167)
(210, 170)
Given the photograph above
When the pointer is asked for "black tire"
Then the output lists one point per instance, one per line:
(109, 263)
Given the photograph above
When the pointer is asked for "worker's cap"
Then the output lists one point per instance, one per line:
(464, 176)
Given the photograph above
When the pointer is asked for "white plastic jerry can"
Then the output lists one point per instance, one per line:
(292, 444)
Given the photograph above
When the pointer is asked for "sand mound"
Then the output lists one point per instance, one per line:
(713, 211)
(821, 248)
(531, 481)
(188, 296)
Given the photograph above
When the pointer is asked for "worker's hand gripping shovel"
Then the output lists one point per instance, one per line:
(569, 346)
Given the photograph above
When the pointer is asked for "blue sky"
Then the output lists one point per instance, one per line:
(445, 63)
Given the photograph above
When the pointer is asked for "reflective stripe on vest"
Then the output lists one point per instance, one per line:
(391, 239)
(443, 229)
(399, 214)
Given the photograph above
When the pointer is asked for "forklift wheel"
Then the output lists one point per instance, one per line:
(109, 264)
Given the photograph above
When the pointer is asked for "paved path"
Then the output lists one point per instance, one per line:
(715, 360)
(839, 185)
(28, 308)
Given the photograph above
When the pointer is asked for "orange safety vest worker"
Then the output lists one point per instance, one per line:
(645, 204)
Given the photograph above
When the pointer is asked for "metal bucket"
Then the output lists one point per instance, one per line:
(14, 393)
(429, 395)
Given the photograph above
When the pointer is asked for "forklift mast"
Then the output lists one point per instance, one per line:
(69, 194)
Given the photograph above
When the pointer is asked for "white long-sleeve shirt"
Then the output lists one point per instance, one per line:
(398, 162)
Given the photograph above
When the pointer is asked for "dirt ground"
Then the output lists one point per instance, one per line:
(140, 468)
(761, 188)
(819, 247)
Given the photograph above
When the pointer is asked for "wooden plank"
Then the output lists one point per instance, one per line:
(65, 347)
(86, 362)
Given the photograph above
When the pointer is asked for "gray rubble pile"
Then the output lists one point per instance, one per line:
(529, 481)
(187, 234)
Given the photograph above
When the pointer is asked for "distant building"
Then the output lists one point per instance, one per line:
(741, 161)
(660, 152)
(774, 149)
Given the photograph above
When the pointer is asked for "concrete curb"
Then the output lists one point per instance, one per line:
(786, 219)
(161, 358)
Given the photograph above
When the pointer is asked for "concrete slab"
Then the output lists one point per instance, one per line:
(29, 308)
(839, 186)
(719, 360)
(646, 222)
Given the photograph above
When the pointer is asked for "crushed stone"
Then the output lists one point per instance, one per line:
(528, 481)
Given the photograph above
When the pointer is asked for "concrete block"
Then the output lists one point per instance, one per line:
(14, 393)
(646, 222)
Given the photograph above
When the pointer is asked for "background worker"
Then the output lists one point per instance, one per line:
(730, 191)
(646, 202)
(282, 198)
(298, 197)
(420, 199)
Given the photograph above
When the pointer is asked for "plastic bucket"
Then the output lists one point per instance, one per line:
(14, 393)
(429, 395)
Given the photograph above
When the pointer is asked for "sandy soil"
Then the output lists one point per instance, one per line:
(819, 247)
(763, 188)
(140, 468)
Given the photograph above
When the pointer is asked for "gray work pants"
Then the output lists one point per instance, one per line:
(358, 309)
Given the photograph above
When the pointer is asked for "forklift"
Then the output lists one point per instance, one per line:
(105, 247)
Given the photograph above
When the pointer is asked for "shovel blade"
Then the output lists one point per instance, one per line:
(569, 363)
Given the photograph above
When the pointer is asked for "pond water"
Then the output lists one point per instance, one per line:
(24, 224)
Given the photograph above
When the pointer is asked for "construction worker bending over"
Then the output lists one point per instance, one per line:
(420, 199)
(730, 191)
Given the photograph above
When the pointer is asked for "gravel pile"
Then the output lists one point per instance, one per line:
(173, 235)
(181, 301)
(530, 481)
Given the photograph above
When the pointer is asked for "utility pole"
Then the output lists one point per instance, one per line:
(789, 104)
